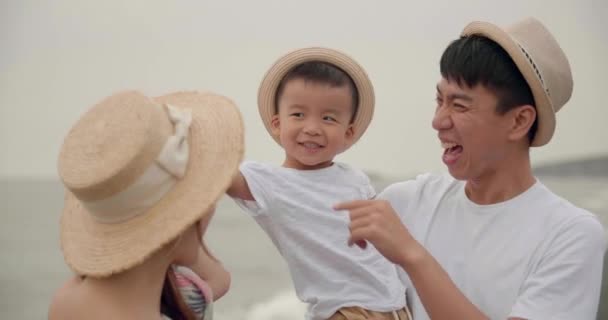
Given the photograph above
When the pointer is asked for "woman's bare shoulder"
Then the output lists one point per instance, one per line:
(62, 304)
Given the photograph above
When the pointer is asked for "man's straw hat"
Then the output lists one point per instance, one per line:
(541, 61)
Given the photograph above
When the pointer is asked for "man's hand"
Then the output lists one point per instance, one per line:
(376, 221)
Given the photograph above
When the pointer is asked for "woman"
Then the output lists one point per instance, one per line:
(142, 177)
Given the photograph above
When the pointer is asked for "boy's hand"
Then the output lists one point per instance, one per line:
(376, 221)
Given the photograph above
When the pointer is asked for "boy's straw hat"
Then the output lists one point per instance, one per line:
(139, 171)
(542, 63)
(268, 88)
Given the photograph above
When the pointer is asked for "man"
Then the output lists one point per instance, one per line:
(490, 241)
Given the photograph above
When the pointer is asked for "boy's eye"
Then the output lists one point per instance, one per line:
(297, 114)
(329, 118)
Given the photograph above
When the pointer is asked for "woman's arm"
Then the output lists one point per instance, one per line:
(212, 271)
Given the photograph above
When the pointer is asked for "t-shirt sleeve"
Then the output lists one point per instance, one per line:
(367, 189)
(566, 283)
(259, 178)
(400, 195)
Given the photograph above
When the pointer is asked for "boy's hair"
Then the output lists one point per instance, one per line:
(478, 60)
(321, 72)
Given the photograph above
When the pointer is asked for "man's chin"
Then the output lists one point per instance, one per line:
(458, 174)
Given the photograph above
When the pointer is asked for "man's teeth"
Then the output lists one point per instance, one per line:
(448, 145)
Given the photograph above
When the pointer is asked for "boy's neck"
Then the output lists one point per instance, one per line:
(299, 166)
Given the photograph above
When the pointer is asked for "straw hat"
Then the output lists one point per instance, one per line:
(139, 171)
(270, 84)
(542, 63)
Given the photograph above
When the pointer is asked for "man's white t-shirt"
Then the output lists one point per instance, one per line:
(295, 208)
(535, 256)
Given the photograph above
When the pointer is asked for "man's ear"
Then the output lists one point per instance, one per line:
(523, 118)
(275, 124)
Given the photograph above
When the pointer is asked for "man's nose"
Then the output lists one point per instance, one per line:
(442, 120)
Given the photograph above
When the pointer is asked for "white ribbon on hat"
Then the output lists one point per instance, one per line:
(155, 182)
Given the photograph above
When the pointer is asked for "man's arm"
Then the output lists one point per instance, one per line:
(439, 295)
(565, 285)
(376, 221)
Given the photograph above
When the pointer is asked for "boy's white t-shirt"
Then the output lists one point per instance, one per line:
(294, 207)
(535, 256)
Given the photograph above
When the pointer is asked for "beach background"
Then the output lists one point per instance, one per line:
(60, 57)
(32, 265)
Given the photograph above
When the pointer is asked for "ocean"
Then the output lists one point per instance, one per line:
(33, 267)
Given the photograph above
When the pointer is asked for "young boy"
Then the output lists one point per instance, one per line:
(316, 103)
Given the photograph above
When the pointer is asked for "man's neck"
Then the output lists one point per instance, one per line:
(509, 180)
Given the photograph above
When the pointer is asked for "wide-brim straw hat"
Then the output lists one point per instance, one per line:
(541, 61)
(267, 105)
(108, 151)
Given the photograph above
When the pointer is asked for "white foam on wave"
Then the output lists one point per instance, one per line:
(285, 305)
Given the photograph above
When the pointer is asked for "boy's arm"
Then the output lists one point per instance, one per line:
(239, 188)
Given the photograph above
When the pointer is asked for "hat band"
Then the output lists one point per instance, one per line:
(155, 182)
(531, 62)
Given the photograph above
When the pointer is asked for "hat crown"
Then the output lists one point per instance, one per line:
(542, 63)
(547, 58)
(112, 145)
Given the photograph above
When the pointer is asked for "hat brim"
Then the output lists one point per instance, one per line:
(270, 84)
(545, 115)
(216, 149)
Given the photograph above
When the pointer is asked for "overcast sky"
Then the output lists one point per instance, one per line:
(58, 58)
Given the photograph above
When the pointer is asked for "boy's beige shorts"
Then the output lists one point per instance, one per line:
(357, 313)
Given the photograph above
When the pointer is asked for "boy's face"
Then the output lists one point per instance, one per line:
(473, 135)
(313, 123)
